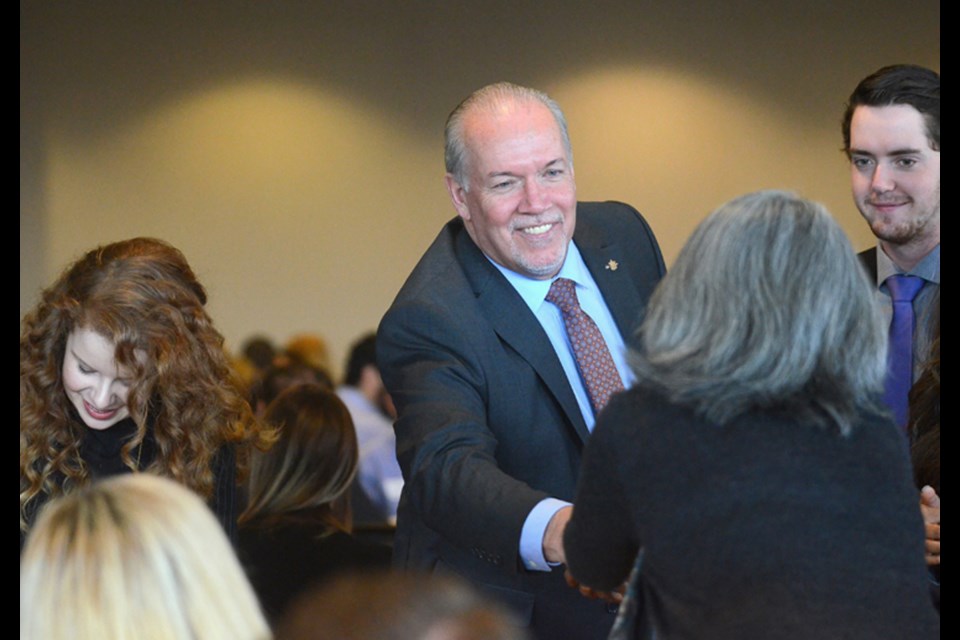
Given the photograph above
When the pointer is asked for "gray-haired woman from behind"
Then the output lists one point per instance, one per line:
(752, 461)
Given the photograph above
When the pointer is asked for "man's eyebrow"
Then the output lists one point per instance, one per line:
(511, 174)
(896, 152)
(905, 152)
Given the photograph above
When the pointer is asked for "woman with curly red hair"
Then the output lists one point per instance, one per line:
(122, 370)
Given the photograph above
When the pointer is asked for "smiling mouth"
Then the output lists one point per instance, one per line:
(885, 204)
(99, 414)
(538, 230)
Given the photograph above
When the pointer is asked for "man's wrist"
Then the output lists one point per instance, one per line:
(553, 536)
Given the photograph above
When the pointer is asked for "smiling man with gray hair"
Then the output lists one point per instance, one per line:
(503, 345)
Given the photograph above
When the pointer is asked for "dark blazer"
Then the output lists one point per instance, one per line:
(868, 258)
(288, 557)
(488, 425)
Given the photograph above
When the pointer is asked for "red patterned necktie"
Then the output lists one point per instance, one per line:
(599, 373)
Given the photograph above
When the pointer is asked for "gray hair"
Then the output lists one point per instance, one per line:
(489, 97)
(766, 307)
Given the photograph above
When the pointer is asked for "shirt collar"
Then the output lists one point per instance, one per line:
(534, 292)
(928, 268)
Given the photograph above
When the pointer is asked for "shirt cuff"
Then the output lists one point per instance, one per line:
(531, 536)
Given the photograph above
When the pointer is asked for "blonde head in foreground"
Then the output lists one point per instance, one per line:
(133, 557)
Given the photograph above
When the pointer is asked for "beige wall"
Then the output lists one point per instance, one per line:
(293, 150)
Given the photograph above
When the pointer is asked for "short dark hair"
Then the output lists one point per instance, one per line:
(362, 353)
(907, 84)
(283, 374)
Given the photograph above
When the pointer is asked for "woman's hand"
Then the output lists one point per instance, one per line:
(616, 596)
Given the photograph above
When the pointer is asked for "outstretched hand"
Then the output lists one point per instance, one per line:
(616, 596)
(553, 536)
(930, 508)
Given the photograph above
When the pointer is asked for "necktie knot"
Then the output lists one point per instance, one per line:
(563, 293)
(903, 288)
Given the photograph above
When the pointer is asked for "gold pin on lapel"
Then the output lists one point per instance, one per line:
(613, 265)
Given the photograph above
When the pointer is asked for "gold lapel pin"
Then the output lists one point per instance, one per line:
(613, 265)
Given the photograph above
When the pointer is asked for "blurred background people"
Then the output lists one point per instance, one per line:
(136, 556)
(753, 461)
(280, 376)
(121, 369)
(296, 529)
(398, 607)
(379, 476)
(309, 348)
(255, 356)
(259, 351)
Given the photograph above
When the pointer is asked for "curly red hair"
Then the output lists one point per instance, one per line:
(142, 295)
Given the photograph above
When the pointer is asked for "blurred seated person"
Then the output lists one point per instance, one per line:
(280, 376)
(398, 607)
(296, 529)
(754, 461)
(379, 476)
(255, 356)
(309, 348)
(259, 351)
(134, 556)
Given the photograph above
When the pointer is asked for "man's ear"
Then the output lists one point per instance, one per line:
(458, 195)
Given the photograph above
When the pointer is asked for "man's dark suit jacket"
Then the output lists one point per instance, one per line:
(868, 258)
(488, 425)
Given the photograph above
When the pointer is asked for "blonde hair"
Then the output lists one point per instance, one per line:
(135, 556)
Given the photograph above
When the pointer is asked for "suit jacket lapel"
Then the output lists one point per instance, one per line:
(516, 325)
(603, 256)
(868, 259)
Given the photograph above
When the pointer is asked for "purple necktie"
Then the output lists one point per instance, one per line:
(903, 289)
(599, 373)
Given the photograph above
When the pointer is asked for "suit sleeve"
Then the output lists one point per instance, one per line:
(453, 482)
